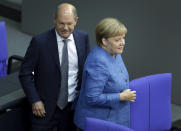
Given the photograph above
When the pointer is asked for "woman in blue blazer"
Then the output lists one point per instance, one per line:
(105, 92)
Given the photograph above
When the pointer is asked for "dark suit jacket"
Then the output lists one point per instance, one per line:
(42, 57)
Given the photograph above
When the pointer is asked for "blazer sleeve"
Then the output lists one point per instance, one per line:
(95, 82)
(25, 75)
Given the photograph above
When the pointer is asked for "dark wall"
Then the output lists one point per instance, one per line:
(153, 39)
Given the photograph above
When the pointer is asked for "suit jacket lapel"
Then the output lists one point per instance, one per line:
(53, 47)
(78, 46)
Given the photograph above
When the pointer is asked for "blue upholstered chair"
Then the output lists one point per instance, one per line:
(93, 124)
(150, 112)
(152, 109)
(3, 49)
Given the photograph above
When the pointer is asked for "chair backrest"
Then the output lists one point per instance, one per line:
(3, 49)
(152, 109)
(93, 124)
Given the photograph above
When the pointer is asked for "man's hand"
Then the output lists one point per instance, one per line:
(38, 109)
(128, 95)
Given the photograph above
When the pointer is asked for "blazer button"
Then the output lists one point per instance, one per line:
(126, 80)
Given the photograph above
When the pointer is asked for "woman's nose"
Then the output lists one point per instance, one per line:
(123, 42)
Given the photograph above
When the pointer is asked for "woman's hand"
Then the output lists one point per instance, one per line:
(128, 95)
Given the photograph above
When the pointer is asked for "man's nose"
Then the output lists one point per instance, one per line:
(65, 26)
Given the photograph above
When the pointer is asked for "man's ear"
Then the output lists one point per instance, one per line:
(76, 20)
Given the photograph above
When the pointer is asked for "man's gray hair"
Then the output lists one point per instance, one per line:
(74, 10)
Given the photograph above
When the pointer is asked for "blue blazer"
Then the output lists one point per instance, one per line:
(42, 57)
(103, 79)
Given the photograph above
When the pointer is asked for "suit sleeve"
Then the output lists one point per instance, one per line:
(95, 82)
(26, 77)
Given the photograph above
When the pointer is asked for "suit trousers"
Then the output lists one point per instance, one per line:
(62, 120)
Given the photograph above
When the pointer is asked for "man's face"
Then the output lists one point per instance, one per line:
(65, 23)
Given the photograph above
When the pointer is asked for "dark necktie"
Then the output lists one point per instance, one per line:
(63, 95)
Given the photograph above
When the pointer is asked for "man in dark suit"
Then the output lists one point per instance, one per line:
(51, 72)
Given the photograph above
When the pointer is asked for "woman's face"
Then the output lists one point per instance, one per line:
(114, 45)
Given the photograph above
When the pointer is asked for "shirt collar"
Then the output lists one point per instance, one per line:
(59, 38)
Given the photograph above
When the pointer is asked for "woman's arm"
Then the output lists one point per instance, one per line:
(95, 82)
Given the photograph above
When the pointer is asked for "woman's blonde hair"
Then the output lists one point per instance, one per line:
(109, 27)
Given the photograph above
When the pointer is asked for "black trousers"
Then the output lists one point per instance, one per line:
(62, 120)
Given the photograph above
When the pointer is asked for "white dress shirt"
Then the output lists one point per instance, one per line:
(73, 64)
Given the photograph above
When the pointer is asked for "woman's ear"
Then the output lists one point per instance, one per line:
(104, 42)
